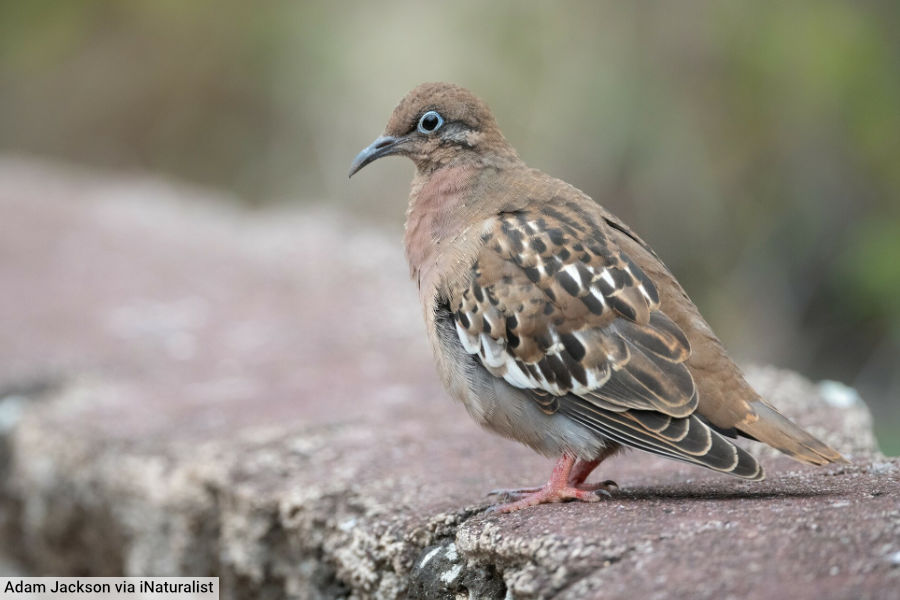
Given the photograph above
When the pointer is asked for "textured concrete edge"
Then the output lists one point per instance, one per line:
(74, 504)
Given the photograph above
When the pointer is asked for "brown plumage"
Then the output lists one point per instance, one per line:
(552, 321)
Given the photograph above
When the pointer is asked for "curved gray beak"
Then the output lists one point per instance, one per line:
(383, 146)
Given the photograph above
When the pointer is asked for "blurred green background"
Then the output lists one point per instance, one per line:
(756, 145)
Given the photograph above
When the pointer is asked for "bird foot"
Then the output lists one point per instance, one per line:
(549, 493)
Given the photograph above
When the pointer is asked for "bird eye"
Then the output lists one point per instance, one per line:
(430, 122)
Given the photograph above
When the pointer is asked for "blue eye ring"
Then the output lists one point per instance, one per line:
(430, 122)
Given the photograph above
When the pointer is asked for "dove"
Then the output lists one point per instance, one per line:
(553, 322)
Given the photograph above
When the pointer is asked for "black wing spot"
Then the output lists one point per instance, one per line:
(546, 370)
(538, 245)
(575, 368)
(543, 340)
(619, 276)
(573, 345)
(533, 274)
(552, 265)
(563, 377)
(604, 286)
(476, 290)
(556, 236)
(515, 236)
(568, 283)
(512, 340)
(593, 304)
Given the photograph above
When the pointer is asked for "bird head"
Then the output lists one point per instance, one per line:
(438, 124)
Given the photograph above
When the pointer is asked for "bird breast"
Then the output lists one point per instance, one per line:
(437, 224)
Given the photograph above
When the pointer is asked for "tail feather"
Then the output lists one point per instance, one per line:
(767, 425)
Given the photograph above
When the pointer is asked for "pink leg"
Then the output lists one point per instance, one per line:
(577, 476)
(557, 489)
(579, 473)
(583, 468)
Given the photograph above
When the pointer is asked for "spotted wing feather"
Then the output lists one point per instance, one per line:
(554, 305)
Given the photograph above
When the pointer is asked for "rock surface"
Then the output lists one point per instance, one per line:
(189, 389)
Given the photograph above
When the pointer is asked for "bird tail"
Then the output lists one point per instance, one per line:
(767, 425)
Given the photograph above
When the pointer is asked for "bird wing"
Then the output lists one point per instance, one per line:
(554, 306)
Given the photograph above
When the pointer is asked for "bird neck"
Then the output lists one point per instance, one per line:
(440, 209)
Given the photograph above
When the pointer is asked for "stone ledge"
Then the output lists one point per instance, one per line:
(191, 390)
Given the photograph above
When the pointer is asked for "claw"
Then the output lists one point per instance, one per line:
(605, 487)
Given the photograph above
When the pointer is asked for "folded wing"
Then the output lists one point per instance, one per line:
(555, 307)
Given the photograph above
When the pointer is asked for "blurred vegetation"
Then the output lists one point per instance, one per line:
(755, 145)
